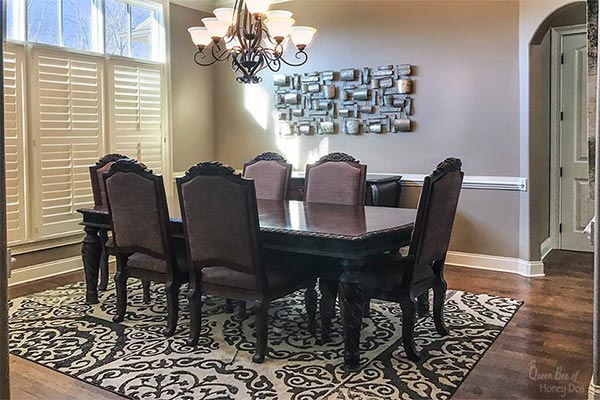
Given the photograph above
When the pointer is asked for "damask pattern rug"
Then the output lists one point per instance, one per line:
(56, 329)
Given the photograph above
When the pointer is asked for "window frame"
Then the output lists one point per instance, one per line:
(98, 29)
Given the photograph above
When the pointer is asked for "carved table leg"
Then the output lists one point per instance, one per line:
(352, 299)
(91, 251)
(328, 290)
(423, 304)
(103, 260)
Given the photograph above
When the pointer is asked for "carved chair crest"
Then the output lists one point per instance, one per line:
(268, 156)
(109, 158)
(450, 164)
(338, 157)
(128, 165)
(210, 168)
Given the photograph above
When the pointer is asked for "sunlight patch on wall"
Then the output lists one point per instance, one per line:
(321, 150)
(256, 101)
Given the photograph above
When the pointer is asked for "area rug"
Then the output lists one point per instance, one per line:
(57, 330)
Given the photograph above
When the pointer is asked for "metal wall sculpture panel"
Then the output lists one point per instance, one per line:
(351, 101)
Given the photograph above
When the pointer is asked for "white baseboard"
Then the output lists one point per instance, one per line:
(45, 270)
(593, 391)
(546, 247)
(529, 269)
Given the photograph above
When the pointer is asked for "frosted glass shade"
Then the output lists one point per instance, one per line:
(279, 26)
(215, 27)
(224, 15)
(279, 13)
(302, 35)
(258, 6)
(200, 35)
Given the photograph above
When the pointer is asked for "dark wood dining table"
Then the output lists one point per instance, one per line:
(345, 237)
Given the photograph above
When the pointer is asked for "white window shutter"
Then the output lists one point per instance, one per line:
(15, 143)
(137, 111)
(67, 127)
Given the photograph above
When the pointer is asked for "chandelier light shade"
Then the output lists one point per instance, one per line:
(251, 38)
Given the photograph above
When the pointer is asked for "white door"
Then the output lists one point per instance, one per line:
(576, 208)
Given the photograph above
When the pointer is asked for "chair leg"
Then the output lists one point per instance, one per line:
(104, 273)
(242, 311)
(310, 300)
(228, 306)
(121, 287)
(409, 308)
(146, 287)
(439, 298)
(262, 307)
(328, 290)
(423, 304)
(367, 308)
(172, 291)
(195, 298)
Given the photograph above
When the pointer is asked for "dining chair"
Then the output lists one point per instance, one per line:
(403, 279)
(141, 240)
(271, 173)
(99, 193)
(336, 178)
(222, 233)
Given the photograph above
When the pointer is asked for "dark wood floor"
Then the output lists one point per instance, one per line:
(550, 337)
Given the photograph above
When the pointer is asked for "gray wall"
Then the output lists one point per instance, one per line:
(191, 94)
(466, 58)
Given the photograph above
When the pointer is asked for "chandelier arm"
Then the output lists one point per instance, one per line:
(196, 56)
(300, 55)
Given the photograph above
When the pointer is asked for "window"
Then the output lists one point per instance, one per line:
(132, 30)
(79, 106)
(68, 23)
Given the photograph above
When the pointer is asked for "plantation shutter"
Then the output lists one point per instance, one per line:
(137, 114)
(15, 143)
(67, 128)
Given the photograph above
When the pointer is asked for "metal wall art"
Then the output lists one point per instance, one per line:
(351, 101)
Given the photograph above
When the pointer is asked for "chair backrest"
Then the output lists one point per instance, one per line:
(336, 178)
(96, 172)
(436, 212)
(138, 209)
(271, 174)
(220, 219)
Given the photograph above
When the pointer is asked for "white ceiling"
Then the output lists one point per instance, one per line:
(209, 5)
(202, 5)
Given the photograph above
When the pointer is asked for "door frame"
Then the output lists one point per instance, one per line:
(555, 127)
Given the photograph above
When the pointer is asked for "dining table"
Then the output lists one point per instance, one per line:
(345, 237)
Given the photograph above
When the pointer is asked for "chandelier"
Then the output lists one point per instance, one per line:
(251, 38)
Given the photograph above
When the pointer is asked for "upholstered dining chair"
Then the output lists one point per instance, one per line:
(222, 233)
(336, 178)
(99, 193)
(404, 279)
(141, 241)
(271, 173)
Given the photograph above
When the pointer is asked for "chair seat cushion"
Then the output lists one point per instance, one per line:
(277, 279)
(144, 261)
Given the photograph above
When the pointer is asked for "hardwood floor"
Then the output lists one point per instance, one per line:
(550, 337)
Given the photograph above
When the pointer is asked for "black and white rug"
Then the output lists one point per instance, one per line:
(56, 329)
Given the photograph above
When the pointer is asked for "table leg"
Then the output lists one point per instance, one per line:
(423, 304)
(91, 252)
(352, 299)
(329, 291)
(103, 233)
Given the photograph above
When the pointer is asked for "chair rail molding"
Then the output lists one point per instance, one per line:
(512, 183)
